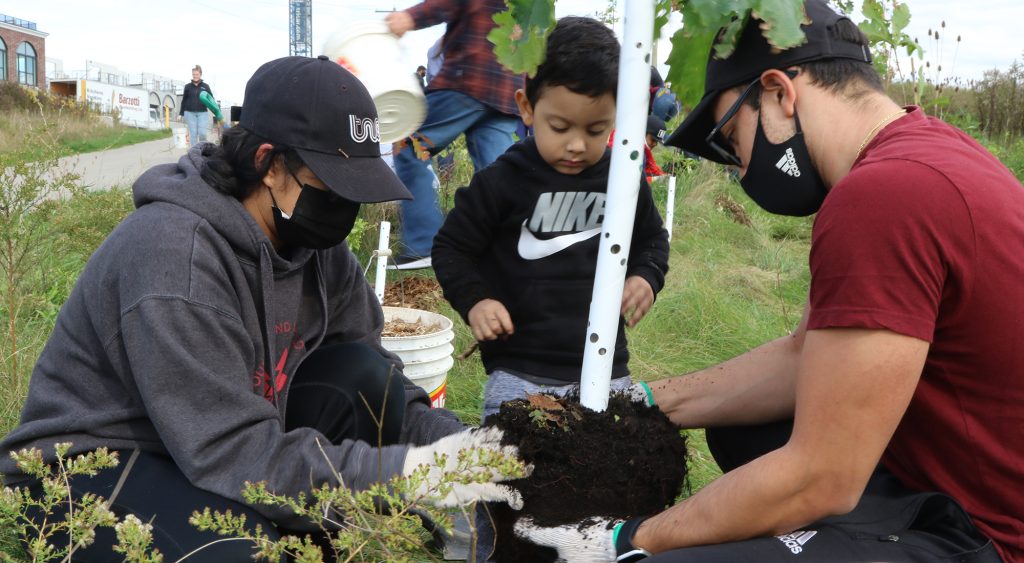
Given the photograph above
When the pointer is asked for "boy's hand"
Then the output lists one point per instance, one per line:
(489, 319)
(637, 298)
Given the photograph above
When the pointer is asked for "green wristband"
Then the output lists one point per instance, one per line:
(650, 394)
(622, 539)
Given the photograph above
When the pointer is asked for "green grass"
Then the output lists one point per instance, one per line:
(113, 138)
(730, 287)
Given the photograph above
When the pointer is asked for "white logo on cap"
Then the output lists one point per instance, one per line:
(363, 128)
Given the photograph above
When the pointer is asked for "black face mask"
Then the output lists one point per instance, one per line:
(320, 219)
(780, 178)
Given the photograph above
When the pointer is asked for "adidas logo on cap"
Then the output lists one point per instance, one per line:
(788, 164)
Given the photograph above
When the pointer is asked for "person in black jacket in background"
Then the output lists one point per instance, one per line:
(195, 114)
(516, 256)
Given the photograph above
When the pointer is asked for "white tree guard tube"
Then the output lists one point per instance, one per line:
(620, 205)
(670, 205)
(383, 253)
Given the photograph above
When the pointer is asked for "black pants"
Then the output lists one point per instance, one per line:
(889, 524)
(327, 394)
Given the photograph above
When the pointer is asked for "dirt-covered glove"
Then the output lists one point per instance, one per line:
(443, 457)
(602, 542)
(640, 393)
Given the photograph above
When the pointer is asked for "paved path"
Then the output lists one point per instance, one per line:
(120, 167)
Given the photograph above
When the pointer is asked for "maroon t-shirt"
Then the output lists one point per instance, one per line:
(925, 237)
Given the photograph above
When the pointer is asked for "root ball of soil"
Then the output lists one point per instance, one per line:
(629, 460)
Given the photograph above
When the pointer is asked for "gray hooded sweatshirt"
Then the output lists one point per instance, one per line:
(165, 340)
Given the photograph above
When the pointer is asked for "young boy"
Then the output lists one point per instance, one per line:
(517, 254)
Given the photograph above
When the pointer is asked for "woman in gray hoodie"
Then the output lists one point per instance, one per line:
(223, 333)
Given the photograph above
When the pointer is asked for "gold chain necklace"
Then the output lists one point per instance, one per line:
(875, 129)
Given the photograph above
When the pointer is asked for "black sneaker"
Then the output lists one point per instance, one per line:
(410, 263)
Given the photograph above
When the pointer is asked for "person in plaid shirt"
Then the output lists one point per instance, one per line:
(472, 94)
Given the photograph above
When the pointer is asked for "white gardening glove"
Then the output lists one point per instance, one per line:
(575, 543)
(446, 451)
(640, 392)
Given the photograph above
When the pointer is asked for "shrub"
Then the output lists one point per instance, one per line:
(999, 103)
(79, 517)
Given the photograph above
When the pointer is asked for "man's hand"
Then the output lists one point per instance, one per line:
(637, 298)
(400, 22)
(442, 457)
(575, 543)
(489, 319)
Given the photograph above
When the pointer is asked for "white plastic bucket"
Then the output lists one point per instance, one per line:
(427, 357)
(180, 142)
(372, 53)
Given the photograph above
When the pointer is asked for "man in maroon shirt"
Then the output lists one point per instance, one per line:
(889, 426)
(472, 94)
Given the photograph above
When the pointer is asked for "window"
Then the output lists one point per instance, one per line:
(26, 64)
(3, 60)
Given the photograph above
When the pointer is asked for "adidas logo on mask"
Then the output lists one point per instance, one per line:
(788, 164)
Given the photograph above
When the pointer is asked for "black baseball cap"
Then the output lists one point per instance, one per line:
(752, 56)
(325, 113)
(656, 128)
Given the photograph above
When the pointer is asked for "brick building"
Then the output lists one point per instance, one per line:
(22, 52)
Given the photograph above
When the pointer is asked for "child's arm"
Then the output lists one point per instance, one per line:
(648, 255)
(467, 233)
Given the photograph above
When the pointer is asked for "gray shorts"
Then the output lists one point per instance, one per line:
(504, 386)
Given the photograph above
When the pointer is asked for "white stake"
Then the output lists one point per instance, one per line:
(383, 252)
(670, 205)
(620, 206)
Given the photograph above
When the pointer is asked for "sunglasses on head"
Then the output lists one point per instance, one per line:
(715, 140)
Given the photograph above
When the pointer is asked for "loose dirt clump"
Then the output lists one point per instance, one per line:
(629, 460)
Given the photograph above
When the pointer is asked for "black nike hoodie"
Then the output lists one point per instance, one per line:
(527, 235)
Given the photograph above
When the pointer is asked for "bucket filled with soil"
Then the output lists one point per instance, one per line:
(627, 461)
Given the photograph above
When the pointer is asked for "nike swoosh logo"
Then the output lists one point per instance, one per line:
(532, 248)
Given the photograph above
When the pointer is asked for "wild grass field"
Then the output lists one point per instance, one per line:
(73, 128)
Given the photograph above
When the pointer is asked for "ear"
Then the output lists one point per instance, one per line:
(262, 153)
(273, 176)
(525, 107)
(780, 88)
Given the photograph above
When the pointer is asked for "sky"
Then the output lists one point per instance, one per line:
(232, 38)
